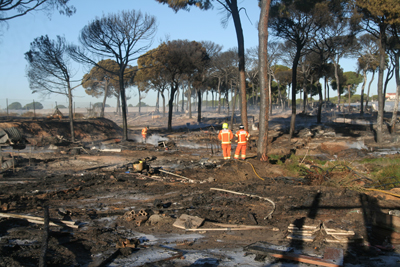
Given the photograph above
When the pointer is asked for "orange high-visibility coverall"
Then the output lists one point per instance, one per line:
(226, 135)
(144, 133)
(242, 137)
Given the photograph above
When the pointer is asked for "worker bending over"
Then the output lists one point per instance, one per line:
(225, 135)
(242, 137)
(144, 134)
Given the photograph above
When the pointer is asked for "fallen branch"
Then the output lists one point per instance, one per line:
(250, 195)
(246, 226)
(190, 180)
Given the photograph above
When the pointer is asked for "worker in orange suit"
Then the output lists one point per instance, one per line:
(144, 133)
(225, 135)
(242, 137)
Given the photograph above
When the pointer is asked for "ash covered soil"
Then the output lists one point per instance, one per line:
(124, 215)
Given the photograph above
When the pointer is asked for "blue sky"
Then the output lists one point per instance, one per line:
(194, 25)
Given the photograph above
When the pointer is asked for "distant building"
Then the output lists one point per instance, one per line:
(390, 96)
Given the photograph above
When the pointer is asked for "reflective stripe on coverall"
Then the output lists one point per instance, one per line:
(144, 133)
(242, 137)
(226, 135)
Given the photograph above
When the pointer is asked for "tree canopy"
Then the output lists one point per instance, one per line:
(123, 37)
(49, 70)
(174, 60)
(10, 9)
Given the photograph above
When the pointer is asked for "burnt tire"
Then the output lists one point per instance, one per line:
(14, 134)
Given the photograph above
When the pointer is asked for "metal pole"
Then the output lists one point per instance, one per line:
(34, 109)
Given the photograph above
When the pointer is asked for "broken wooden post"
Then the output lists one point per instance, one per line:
(42, 259)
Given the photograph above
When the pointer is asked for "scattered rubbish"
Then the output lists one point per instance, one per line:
(248, 227)
(303, 232)
(110, 150)
(8, 164)
(39, 220)
(129, 215)
(155, 219)
(188, 222)
(12, 137)
(56, 115)
(340, 235)
(138, 166)
(167, 145)
(333, 257)
(139, 217)
(126, 243)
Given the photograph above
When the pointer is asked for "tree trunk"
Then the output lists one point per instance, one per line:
(396, 102)
(389, 76)
(158, 103)
(382, 54)
(206, 100)
(336, 64)
(233, 106)
(262, 144)
(369, 89)
(319, 119)
(362, 91)
(270, 93)
(294, 82)
(176, 100)
(104, 99)
(219, 96)
(183, 100)
(242, 73)
(304, 98)
(140, 100)
(71, 113)
(199, 105)
(123, 105)
(227, 100)
(118, 110)
(174, 88)
(190, 101)
(163, 101)
(348, 90)
(212, 100)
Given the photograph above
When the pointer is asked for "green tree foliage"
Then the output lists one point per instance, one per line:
(377, 16)
(232, 9)
(33, 105)
(298, 22)
(353, 79)
(15, 105)
(142, 104)
(102, 80)
(368, 61)
(173, 60)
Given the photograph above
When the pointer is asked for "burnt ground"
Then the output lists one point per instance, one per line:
(92, 182)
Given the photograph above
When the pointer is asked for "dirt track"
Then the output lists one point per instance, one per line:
(86, 183)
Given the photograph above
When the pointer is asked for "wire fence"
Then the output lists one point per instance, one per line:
(40, 108)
